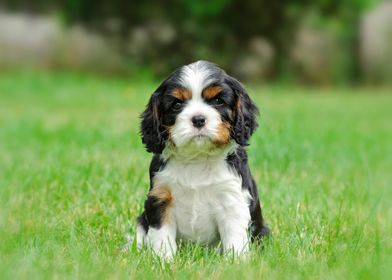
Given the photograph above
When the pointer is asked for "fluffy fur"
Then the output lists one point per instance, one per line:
(197, 124)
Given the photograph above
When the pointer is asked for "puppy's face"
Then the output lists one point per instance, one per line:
(198, 106)
(197, 112)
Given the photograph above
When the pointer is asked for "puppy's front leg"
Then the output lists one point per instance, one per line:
(161, 235)
(233, 229)
(163, 241)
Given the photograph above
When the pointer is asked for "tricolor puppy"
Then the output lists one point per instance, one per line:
(197, 124)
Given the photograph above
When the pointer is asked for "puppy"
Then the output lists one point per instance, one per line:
(197, 125)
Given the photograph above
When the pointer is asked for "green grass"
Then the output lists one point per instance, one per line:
(73, 177)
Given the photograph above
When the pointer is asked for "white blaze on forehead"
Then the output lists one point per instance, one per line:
(196, 77)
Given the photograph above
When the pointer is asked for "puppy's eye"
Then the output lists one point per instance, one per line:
(217, 101)
(177, 105)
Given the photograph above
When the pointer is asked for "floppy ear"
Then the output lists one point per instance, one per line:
(151, 127)
(245, 113)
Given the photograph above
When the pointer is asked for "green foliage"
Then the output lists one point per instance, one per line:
(214, 30)
(73, 178)
(204, 8)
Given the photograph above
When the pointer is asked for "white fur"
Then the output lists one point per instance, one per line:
(140, 236)
(208, 205)
(163, 240)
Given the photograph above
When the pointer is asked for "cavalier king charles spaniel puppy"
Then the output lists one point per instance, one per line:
(197, 125)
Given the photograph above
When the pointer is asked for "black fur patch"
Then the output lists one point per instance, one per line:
(239, 162)
(152, 214)
(245, 121)
(159, 114)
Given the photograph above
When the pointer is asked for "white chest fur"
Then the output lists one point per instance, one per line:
(207, 198)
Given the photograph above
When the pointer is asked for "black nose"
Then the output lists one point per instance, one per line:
(198, 121)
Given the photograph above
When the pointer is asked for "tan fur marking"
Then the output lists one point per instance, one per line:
(223, 134)
(170, 138)
(238, 104)
(211, 92)
(155, 112)
(182, 94)
(163, 195)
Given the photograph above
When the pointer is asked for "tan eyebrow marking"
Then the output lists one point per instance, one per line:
(211, 92)
(182, 94)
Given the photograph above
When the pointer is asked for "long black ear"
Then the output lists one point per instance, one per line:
(151, 127)
(245, 110)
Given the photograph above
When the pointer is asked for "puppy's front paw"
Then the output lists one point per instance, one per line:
(165, 252)
(162, 242)
(238, 248)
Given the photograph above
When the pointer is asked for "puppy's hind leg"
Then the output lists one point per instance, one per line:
(141, 231)
(161, 233)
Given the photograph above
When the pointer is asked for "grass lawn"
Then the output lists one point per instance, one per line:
(73, 177)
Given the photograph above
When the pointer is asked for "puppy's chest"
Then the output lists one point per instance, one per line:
(201, 194)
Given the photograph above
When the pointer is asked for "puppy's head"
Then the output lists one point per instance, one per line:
(198, 106)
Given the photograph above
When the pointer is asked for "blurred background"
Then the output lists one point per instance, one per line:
(307, 42)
